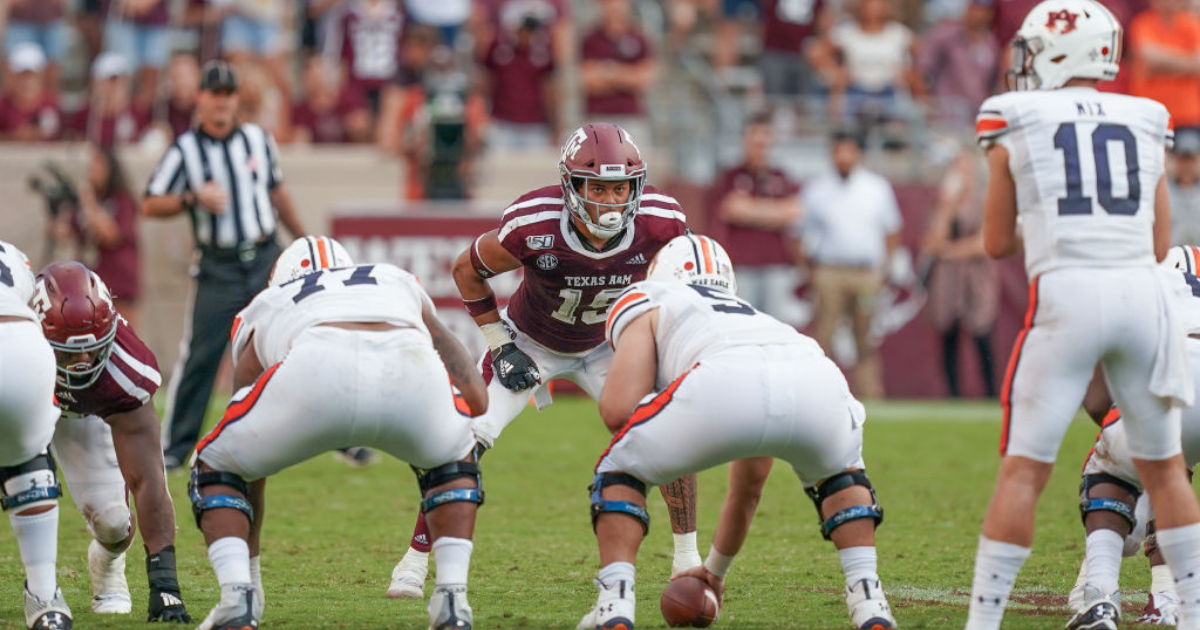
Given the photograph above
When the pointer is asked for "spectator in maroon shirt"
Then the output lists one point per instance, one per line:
(183, 81)
(756, 207)
(790, 30)
(493, 17)
(28, 111)
(519, 71)
(107, 221)
(959, 59)
(38, 22)
(369, 45)
(618, 69)
(137, 29)
(330, 112)
(110, 117)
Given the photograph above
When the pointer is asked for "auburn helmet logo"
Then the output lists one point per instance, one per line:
(1065, 17)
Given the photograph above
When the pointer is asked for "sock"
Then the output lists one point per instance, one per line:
(1181, 547)
(858, 563)
(230, 558)
(685, 549)
(453, 556)
(37, 537)
(256, 572)
(1161, 580)
(1104, 548)
(996, 567)
(617, 572)
(420, 538)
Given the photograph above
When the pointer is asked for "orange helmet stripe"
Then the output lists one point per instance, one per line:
(321, 252)
(708, 256)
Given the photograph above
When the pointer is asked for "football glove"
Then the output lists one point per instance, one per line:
(166, 602)
(514, 368)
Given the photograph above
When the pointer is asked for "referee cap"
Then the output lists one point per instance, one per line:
(217, 75)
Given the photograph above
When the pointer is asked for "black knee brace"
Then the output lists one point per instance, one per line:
(434, 477)
(1088, 505)
(202, 504)
(600, 505)
(35, 483)
(836, 484)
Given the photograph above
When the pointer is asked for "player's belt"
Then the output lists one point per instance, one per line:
(243, 252)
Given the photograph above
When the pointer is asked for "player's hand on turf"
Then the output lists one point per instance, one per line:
(514, 368)
(717, 583)
(167, 606)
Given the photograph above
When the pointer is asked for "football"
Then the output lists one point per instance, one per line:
(689, 601)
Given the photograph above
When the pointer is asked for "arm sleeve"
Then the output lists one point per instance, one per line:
(168, 178)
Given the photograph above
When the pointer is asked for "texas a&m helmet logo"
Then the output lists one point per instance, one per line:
(1063, 19)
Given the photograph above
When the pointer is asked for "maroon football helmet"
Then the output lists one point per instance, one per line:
(606, 152)
(78, 319)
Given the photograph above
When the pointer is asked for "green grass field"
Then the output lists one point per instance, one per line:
(332, 535)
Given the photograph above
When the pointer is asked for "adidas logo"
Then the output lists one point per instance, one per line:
(170, 600)
(422, 539)
(640, 259)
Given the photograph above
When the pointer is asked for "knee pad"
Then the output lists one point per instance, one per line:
(1088, 505)
(434, 477)
(29, 485)
(202, 504)
(600, 505)
(111, 525)
(836, 484)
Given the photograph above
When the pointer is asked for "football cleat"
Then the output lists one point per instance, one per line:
(614, 610)
(408, 578)
(448, 608)
(1077, 597)
(235, 611)
(869, 609)
(110, 591)
(1162, 609)
(1100, 611)
(52, 614)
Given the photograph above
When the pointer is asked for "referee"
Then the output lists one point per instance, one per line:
(225, 175)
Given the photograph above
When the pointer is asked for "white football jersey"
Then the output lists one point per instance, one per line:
(1086, 165)
(16, 283)
(695, 322)
(360, 293)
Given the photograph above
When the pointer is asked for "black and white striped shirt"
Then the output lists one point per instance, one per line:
(245, 164)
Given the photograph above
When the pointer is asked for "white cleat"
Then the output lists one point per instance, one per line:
(868, 607)
(52, 614)
(1100, 611)
(1077, 598)
(448, 608)
(235, 611)
(110, 591)
(408, 578)
(1162, 609)
(614, 609)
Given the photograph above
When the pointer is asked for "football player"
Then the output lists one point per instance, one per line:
(1112, 501)
(106, 440)
(29, 489)
(700, 369)
(332, 354)
(1083, 170)
(580, 242)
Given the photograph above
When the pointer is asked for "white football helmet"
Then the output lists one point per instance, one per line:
(1062, 40)
(306, 255)
(1184, 258)
(694, 259)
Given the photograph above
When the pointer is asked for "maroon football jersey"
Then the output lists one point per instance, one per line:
(564, 298)
(371, 44)
(126, 383)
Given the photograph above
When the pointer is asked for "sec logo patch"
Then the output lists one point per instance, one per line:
(546, 262)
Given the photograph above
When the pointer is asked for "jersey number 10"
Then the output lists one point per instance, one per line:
(1075, 202)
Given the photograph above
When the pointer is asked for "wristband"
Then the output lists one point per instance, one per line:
(483, 305)
(717, 563)
(496, 334)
